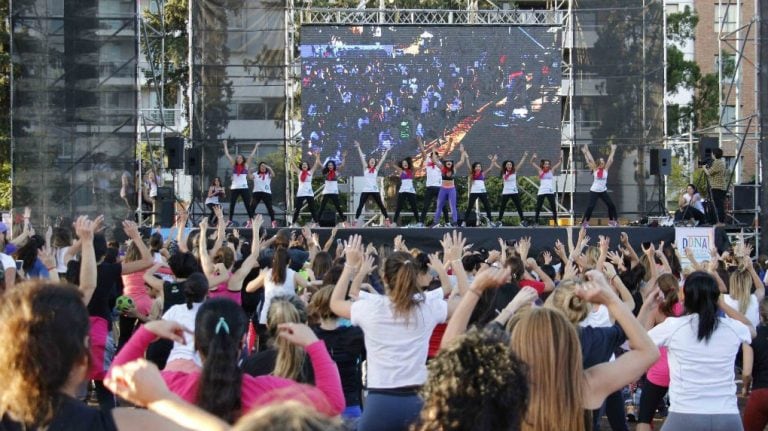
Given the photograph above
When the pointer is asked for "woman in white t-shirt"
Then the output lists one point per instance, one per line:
(407, 192)
(434, 181)
(509, 190)
(599, 189)
(691, 206)
(331, 189)
(239, 186)
(702, 347)
(184, 357)
(304, 192)
(279, 280)
(477, 188)
(262, 190)
(371, 188)
(397, 327)
(546, 185)
(740, 295)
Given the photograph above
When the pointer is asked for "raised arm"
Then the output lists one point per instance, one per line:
(317, 163)
(205, 259)
(535, 157)
(606, 378)
(343, 161)
(383, 157)
(156, 284)
(88, 271)
(181, 237)
(253, 153)
(340, 305)
(360, 152)
(521, 162)
(132, 230)
(588, 157)
(609, 162)
(226, 152)
(464, 157)
(492, 165)
(559, 162)
(235, 282)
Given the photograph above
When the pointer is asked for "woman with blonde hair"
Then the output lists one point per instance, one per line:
(282, 358)
(740, 284)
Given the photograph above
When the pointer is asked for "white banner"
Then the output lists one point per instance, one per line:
(699, 239)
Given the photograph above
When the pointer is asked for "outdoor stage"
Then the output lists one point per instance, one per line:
(428, 239)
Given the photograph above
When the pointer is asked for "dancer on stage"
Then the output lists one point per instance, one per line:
(477, 188)
(304, 193)
(510, 191)
(371, 189)
(262, 190)
(434, 182)
(239, 186)
(546, 185)
(406, 193)
(448, 186)
(331, 189)
(213, 199)
(599, 189)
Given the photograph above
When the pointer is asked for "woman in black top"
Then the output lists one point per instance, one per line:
(346, 346)
(755, 372)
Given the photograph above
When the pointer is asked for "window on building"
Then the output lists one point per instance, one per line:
(729, 115)
(251, 111)
(672, 8)
(729, 67)
(727, 14)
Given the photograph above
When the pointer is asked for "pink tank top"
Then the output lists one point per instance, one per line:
(658, 374)
(223, 292)
(133, 286)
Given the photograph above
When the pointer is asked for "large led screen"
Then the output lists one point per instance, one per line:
(492, 89)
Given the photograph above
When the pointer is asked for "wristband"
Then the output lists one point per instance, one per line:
(475, 292)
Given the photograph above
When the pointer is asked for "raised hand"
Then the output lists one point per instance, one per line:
(297, 333)
(139, 382)
(596, 290)
(354, 251)
(547, 257)
(367, 266)
(84, 229)
(168, 329)
(489, 278)
(131, 229)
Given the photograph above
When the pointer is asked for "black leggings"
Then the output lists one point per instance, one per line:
(614, 409)
(689, 212)
(540, 201)
(402, 198)
(127, 326)
(430, 197)
(299, 203)
(650, 398)
(516, 200)
(334, 198)
(243, 193)
(593, 197)
(376, 199)
(473, 197)
(267, 198)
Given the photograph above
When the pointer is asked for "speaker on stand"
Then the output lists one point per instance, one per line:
(661, 165)
(174, 151)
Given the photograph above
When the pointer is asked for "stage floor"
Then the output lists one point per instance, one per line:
(428, 239)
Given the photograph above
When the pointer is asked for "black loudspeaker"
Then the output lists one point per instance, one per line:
(174, 149)
(706, 145)
(327, 219)
(743, 198)
(471, 220)
(165, 213)
(193, 162)
(661, 161)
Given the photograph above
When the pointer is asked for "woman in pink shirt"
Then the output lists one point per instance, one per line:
(221, 388)
(657, 377)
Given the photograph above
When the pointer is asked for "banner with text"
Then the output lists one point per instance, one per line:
(699, 239)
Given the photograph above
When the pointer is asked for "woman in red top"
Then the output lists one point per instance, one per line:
(221, 388)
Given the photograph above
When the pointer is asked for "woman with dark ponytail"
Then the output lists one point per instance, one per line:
(702, 347)
(397, 327)
(220, 387)
(183, 356)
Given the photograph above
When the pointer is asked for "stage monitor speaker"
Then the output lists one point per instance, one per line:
(661, 161)
(743, 198)
(174, 149)
(706, 145)
(193, 162)
(165, 193)
(327, 219)
(165, 212)
(471, 220)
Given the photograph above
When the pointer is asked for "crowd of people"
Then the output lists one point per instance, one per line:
(211, 331)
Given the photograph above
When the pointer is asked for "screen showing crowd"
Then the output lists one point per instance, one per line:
(493, 89)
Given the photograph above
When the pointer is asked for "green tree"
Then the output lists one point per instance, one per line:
(5, 109)
(174, 31)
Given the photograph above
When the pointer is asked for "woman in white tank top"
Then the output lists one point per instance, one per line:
(262, 189)
(599, 189)
(371, 188)
(239, 186)
(546, 185)
(304, 193)
(509, 190)
(407, 192)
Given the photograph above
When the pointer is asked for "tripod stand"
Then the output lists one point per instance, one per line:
(659, 208)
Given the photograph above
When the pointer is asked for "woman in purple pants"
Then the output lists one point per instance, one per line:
(448, 188)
